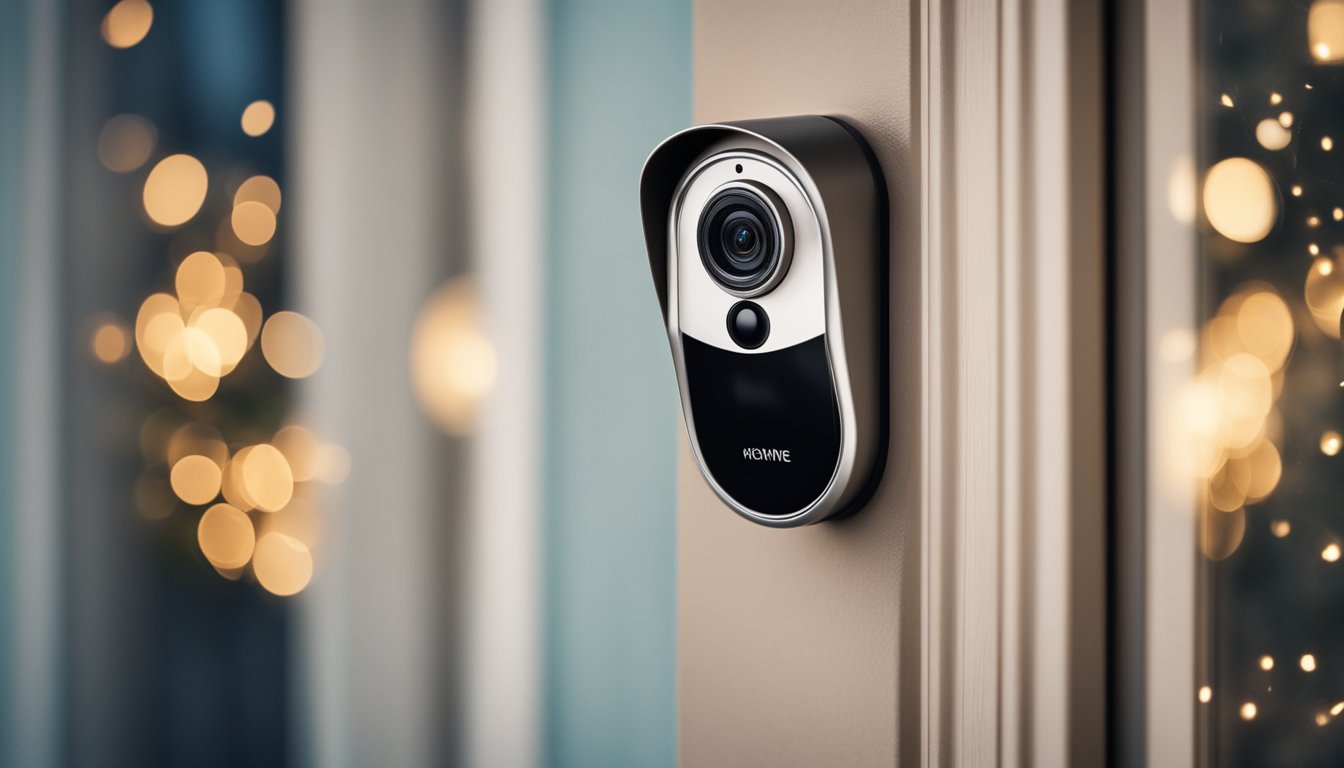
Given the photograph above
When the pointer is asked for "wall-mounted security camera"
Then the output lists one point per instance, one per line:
(767, 241)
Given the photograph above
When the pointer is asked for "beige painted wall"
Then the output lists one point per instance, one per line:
(801, 647)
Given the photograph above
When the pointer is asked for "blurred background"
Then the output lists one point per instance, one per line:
(335, 423)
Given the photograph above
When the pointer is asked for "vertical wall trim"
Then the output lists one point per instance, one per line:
(505, 113)
(1012, 192)
(1172, 290)
(36, 695)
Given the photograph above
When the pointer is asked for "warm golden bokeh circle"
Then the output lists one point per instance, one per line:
(175, 190)
(127, 23)
(157, 325)
(1239, 200)
(258, 117)
(1272, 135)
(110, 341)
(292, 345)
(232, 486)
(195, 479)
(200, 281)
(282, 564)
(225, 536)
(453, 365)
(260, 189)
(1324, 293)
(267, 478)
(253, 222)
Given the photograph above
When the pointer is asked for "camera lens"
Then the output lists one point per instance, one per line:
(741, 240)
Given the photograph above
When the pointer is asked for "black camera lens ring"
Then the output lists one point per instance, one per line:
(745, 239)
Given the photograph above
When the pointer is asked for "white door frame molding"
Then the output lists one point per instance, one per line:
(1014, 258)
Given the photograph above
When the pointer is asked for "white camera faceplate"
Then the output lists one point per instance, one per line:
(796, 306)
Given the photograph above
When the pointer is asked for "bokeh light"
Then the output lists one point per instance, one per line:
(157, 325)
(1239, 200)
(226, 333)
(200, 281)
(282, 564)
(195, 479)
(260, 189)
(127, 23)
(253, 222)
(267, 479)
(1220, 533)
(248, 310)
(1265, 326)
(453, 364)
(258, 117)
(292, 345)
(1324, 294)
(231, 484)
(110, 341)
(126, 143)
(175, 190)
(301, 449)
(226, 536)
(1330, 442)
(1325, 30)
(1272, 135)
